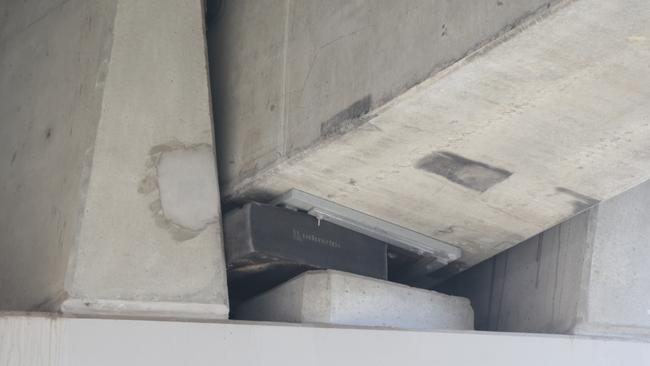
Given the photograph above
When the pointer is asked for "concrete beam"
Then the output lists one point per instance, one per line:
(288, 73)
(32, 340)
(509, 143)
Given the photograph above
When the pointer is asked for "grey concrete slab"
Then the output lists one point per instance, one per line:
(509, 143)
(334, 297)
(588, 275)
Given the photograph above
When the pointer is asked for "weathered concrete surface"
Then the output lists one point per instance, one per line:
(53, 61)
(108, 161)
(510, 143)
(286, 73)
(589, 275)
(334, 297)
(31, 340)
(150, 242)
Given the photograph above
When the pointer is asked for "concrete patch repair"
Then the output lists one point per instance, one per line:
(183, 184)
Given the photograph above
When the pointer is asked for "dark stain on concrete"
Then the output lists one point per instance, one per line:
(471, 174)
(580, 201)
(348, 118)
(13, 157)
(48, 133)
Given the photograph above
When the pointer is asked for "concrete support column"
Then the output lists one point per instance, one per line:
(122, 215)
(589, 275)
(150, 240)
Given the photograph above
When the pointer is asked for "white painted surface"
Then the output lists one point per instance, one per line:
(28, 341)
(563, 106)
(333, 297)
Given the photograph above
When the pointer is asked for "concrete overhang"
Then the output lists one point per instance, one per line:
(509, 142)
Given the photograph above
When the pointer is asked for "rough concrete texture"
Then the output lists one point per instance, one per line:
(507, 144)
(53, 61)
(287, 73)
(333, 297)
(589, 275)
(187, 181)
(107, 134)
(150, 242)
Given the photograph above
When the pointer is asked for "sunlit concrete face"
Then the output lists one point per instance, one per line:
(503, 146)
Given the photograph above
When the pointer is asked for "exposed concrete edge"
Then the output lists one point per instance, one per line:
(163, 310)
(245, 188)
(582, 307)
